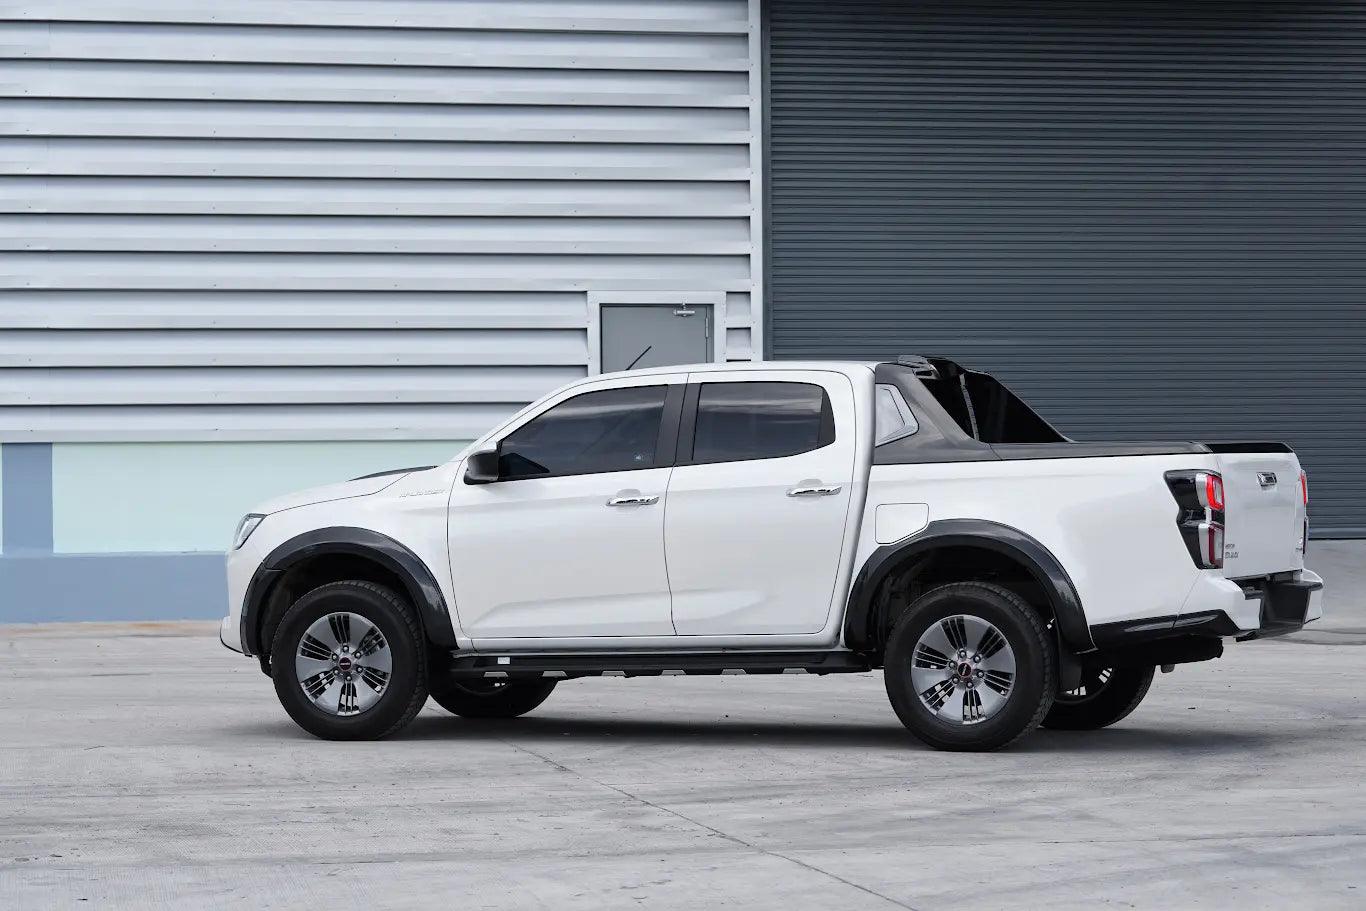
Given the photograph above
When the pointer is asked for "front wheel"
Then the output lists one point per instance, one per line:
(349, 662)
(969, 666)
(1105, 696)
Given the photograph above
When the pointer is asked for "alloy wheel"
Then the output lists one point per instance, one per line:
(963, 669)
(343, 663)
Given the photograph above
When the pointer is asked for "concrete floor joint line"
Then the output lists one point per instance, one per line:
(702, 825)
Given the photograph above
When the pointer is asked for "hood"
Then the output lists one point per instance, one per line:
(357, 487)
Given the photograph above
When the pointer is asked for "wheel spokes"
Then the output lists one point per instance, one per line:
(346, 699)
(374, 678)
(317, 684)
(956, 631)
(340, 626)
(343, 663)
(991, 642)
(314, 648)
(370, 642)
(1000, 681)
(963, 669)
(937, 696)
(937, 638)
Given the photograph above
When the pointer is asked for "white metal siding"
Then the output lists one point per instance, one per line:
(348, 219)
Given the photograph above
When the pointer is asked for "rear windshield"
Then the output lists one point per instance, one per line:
(985, 409)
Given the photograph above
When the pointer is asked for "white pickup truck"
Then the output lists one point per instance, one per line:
(819, 517)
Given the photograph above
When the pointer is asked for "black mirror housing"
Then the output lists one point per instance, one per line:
(482, 467)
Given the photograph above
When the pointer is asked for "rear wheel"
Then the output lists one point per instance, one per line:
(969, 666)
(1105, 696)
(478, 698)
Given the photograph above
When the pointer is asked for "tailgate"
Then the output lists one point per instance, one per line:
(1264, 522)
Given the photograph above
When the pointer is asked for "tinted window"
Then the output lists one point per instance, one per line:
(609, 430)
(893, 417)
(738, 421)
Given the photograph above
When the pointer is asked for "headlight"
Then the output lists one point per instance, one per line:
(245, 528)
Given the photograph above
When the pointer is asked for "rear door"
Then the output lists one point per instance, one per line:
(759, 500)
(1264, 519)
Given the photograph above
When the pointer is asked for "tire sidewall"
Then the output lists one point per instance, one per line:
(1033, 667)
(385, 611)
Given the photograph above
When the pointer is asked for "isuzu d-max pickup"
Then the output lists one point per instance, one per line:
(817, 517)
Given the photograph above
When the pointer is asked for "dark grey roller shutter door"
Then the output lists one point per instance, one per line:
(1148, 218)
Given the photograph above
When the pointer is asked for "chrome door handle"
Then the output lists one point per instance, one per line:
(814, 491)
(633, 501)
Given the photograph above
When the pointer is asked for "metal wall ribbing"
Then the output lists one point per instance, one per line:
(346, 220)
(1149, 218)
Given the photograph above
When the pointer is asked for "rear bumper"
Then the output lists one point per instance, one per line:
(1285, 606)
(1222, 608)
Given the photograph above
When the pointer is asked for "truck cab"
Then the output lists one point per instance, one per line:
(823, 517)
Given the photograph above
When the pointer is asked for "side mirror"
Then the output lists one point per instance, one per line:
(482, 467)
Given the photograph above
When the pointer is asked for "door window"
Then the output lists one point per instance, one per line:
(607, 430)
(760, 420)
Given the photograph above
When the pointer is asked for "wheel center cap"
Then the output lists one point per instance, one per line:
(344, 663)
(965, 671)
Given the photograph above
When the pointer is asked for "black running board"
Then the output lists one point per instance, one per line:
(655, 664)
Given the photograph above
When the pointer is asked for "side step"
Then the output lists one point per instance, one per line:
(654, 664)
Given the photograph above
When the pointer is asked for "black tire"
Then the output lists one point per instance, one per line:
(405, 692)
(477, 698)
(1034, 683)
(1105, 700)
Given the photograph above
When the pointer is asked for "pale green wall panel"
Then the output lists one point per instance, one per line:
(113, 497)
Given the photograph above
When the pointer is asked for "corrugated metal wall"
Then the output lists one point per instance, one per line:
(353, 219)
(1148, 217)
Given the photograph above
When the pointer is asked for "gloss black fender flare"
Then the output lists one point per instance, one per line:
(860, 617)
(419, 583)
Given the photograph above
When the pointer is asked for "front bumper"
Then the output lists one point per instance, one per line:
(240, 566)
(1222, 608)
(228, 627)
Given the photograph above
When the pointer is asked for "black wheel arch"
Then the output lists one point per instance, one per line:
(375, 557)
(866, 622)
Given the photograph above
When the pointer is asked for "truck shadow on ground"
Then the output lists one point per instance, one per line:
(743, 734)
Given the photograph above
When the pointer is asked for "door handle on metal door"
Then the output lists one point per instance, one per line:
(633, 501)
(817, 490)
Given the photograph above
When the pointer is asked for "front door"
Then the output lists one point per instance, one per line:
(759, 501)
(569, 542)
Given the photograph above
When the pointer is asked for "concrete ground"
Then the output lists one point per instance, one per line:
(146, 766)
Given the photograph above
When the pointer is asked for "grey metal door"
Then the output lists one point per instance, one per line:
(1147, 218)
(655, 335)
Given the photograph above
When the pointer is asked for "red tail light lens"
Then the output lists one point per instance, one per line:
(1304, 488)
(1209, 489)
(1214, 491)
(1214, 544)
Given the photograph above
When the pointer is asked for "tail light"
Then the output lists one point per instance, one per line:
(1304, 529)
(1200, 514)
(1211, 486)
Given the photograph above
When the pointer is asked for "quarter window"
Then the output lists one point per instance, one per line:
(607, 430)
(761, 420)
(893, 417)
